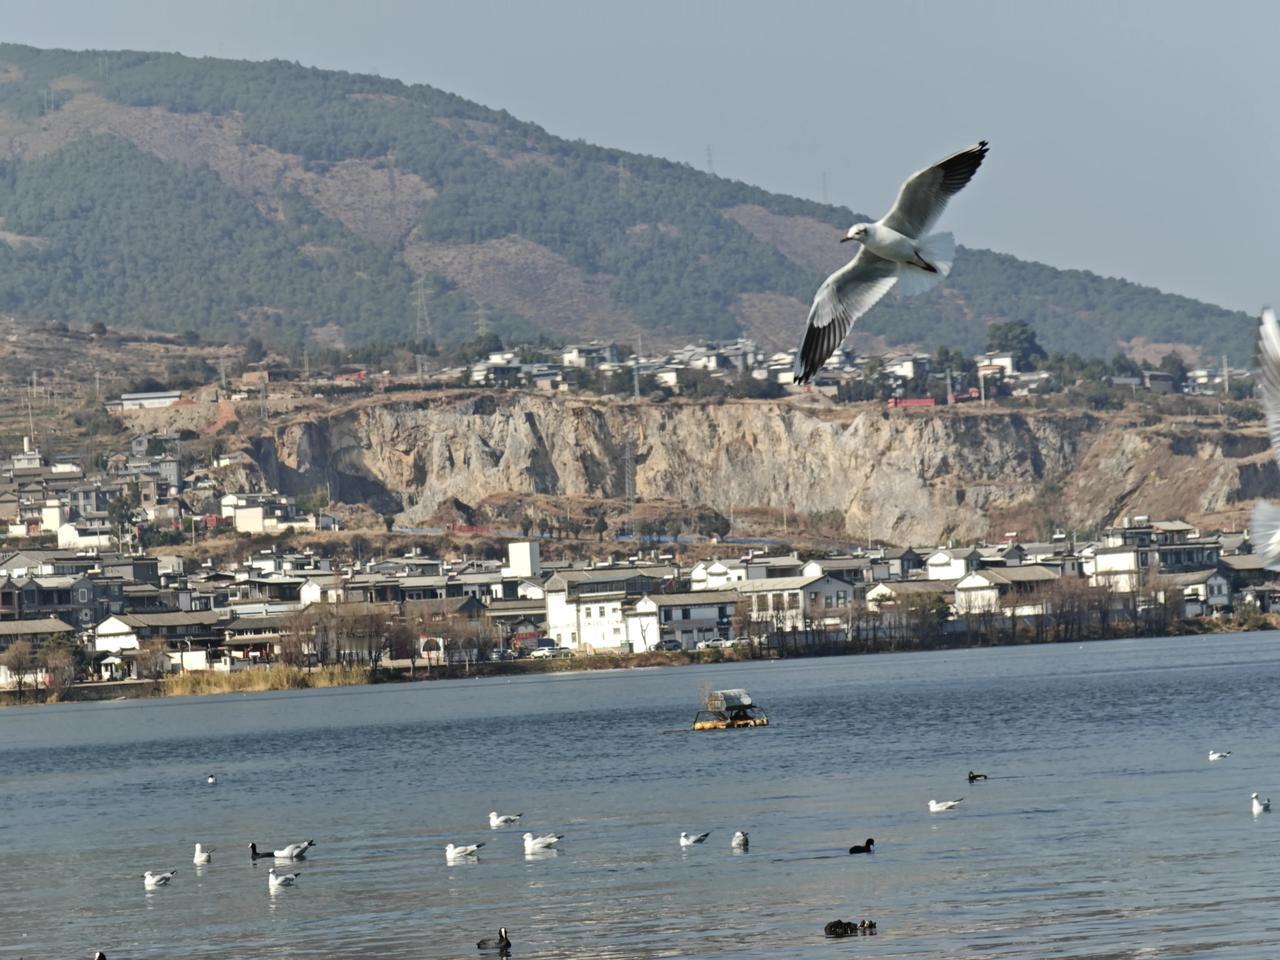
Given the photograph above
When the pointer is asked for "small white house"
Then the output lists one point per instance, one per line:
(686, 617)
(85, 536)
(951, 564)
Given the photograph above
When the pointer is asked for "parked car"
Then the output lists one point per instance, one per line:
(549, 653)
(501, 655)
(713, 644)
(668, 644)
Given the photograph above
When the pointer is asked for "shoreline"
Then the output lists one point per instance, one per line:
(281, 677)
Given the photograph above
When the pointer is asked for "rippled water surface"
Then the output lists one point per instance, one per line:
(1103, 832)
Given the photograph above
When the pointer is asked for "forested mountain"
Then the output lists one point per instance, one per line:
(292, 203)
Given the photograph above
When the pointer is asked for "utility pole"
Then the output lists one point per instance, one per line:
(1226, 377)
(951, 397)
(422, 314)
(222, 372)
(306, 365)
(482, 322)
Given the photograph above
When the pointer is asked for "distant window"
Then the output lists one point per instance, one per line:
(666, 614)
(83, 594)
(684, 613)
(723, 612)
(828, 601)
(602, 611)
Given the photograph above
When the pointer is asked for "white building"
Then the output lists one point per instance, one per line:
(149, 401)
(85, 536)
(951, 564)
(686, 617)
(794, 603)
(715, 574)
(1017, 590)
(585, 608)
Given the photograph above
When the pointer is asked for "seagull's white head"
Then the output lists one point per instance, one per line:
(857, 232)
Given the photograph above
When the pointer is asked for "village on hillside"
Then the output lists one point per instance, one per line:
(108, 601)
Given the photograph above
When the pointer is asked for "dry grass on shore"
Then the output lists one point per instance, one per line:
(256, 680)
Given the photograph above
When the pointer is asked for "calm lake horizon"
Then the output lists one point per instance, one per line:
(1103, 831)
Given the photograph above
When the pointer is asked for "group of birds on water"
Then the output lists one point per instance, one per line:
(1256, 803)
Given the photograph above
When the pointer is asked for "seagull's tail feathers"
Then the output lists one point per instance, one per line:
(1264, 532)
(938, 250)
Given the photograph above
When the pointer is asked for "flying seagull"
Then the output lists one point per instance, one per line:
(895, 249)
(1264, 528)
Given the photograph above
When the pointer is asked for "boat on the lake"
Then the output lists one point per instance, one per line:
(729, 710)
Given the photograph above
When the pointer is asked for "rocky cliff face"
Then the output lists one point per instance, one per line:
(920, 477)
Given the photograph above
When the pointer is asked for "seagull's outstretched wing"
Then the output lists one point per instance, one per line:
(924, 196)
(1264, 527)
(843, 297)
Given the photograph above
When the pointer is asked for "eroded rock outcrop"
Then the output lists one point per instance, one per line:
(907, 478)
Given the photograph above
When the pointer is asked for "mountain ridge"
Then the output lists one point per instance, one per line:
(350, 188)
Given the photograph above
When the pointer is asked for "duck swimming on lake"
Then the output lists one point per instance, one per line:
(501, 942)
(840, 928)
(863, 847)
(976, 776)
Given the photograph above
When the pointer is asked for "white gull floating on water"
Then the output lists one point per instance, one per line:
(275, 880)
(688, 839)
(740, 841)
(502, 819)
(1261, 806)
(202, 855)
(459, 851)
(939, 806)
(152, 880)
(1218, 755)
(544, 841)
(894, 250)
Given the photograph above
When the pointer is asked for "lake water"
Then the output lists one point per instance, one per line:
(1103, 832)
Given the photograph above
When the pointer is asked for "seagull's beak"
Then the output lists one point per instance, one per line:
(843, 239)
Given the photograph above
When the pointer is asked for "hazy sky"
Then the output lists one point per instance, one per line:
(1135, 139)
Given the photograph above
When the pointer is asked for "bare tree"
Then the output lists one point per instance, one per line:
(153, 660)
(299, 628)
(19, 659)
(60, 670)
